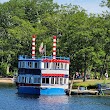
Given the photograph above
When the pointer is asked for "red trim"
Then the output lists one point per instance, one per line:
(54, 37)
(54, 46)
(34, 36)
(56, 60)
(53, 74)
(54, 50)
(33, 46)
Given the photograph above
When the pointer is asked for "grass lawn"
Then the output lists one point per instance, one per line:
(89, 82)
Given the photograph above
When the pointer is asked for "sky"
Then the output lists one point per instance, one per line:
(91, 6)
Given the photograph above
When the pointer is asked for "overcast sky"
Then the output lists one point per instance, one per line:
(92, 6)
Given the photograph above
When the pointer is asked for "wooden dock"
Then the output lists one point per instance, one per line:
(71, 85)
(84, 92)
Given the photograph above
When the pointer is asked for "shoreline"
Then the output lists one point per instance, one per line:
(7, 80)
(11, 80)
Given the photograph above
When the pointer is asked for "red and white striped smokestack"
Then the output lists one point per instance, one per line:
(54, 47)
(33, 46)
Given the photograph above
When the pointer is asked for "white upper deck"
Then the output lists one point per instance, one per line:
(45, 62)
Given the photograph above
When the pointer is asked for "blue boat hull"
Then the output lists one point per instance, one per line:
(41, 91)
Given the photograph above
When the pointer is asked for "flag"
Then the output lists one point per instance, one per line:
(41, 48)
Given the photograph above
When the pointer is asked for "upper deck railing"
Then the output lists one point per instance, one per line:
(58, 58)
(25, 57)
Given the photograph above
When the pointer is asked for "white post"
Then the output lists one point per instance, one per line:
(49, 80)
(54, 47)
(33, 46)
(45, 50)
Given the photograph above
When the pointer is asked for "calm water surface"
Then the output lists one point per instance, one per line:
(9, 100)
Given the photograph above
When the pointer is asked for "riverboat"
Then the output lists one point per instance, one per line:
(48, 75)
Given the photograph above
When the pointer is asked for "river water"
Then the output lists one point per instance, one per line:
(9, 100)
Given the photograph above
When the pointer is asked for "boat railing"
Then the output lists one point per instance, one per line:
(23, 57)
(59, 58)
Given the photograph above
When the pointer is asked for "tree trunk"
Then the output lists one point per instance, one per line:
(7, 71)
(84, 79)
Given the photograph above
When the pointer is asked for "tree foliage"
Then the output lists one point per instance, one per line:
(84, 38)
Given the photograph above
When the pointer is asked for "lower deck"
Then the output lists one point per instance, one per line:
(40, 90)
(42, 81)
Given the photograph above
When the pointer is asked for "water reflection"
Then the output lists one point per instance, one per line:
(28, 96)
(45, 99)
(9, 100)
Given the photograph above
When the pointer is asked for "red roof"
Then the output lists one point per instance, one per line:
(52, 74)
(56, 60)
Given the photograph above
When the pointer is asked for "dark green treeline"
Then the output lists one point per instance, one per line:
(84, 38)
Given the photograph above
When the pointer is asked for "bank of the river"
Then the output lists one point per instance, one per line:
(9, 100)
(76, 83)
(6, 82)
(89, 82)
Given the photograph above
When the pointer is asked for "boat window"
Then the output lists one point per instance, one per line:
(56, 80)
(43, 80)
(61, 80)
(54, 65)
(36, 65)
(23, 64)
(19, 79)
(58, 65)
(23, 79)
(30, 64)
(47, 80)
(19, 65)
(46, 65)
(65, 66)
(64, 80)
(51, 65)
(52, 80)
(61, 65)
(35, 80)
(27, 79)
(31, 79)
(39, 79)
